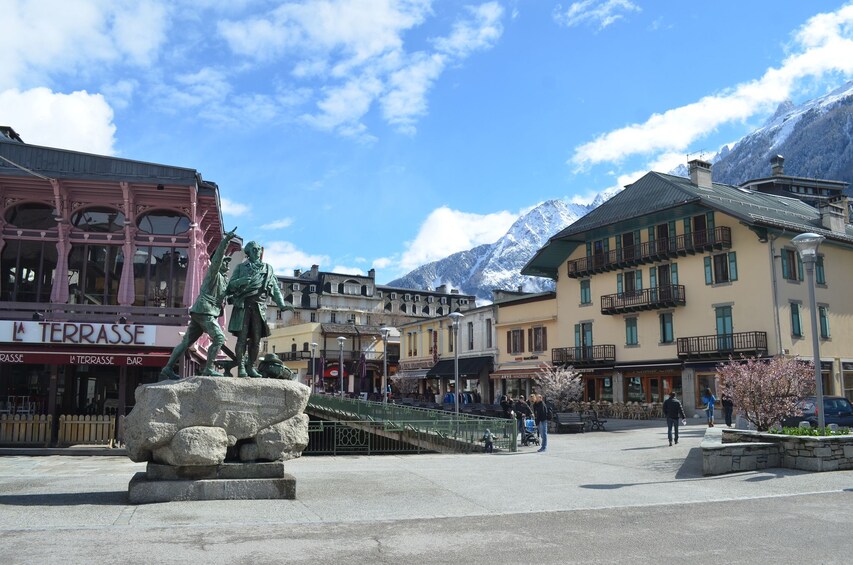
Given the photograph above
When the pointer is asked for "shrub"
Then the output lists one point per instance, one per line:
(766, 390)
(560, 386)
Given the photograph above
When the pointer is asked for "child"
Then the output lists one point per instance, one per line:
(489, 439)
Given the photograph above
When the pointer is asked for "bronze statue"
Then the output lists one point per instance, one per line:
(272, 367)
(252, 282)
(204, 312)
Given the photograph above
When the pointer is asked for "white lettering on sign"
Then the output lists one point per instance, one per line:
(92, 360)
(11, 357)
(77, 333)
(135, 360)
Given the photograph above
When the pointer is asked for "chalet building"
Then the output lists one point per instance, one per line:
(100, 258)
(331, 305)
(674, 275)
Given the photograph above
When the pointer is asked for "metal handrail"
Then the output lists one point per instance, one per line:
(585, 355)
(722, 344)
(466, 429)
(644, 299)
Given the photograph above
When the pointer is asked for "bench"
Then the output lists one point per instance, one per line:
(568, 421)
(591, 418)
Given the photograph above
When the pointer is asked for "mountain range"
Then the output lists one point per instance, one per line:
(815, 137)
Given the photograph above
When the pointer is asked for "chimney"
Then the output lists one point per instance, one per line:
(454, 291)
(297, 272)
(832, 215)
(315, 271)
(700, 173)
(777, 166)
(520, 288)
(442, 289)
(371, 273)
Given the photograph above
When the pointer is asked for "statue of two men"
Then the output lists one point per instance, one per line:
(252, 282)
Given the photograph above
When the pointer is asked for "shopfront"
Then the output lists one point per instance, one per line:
(597, 385)
(651, 384)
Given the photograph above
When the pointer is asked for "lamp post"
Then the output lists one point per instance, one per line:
(313, 368)
(807, 244)
(384, 331)
(454, 316)
(341, 340)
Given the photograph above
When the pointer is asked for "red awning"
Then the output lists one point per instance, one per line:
(96, 356)
(332, 373)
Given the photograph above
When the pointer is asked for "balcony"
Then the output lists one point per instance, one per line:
(722, 346)
(666, 296)
(651, 251)
(588, 356)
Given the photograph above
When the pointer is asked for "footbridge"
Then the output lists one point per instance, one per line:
(348, 425)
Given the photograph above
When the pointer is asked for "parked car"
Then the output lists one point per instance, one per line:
(836, 410)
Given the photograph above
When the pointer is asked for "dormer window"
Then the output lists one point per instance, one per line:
(296, 286)
(393, 296)
(407, 297)
(312, 288)
(430, 299)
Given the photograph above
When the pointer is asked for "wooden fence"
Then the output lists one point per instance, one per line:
(25, 429)
(86, 430)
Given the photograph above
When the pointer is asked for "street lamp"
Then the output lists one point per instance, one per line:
(384, 331)
(313, 368)
(807, 244)
(341, 340)
(454, 316)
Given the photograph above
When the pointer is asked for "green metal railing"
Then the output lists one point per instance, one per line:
(415, 426)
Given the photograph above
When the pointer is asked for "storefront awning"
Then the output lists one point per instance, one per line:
(416, 374)
(95, 356)
(468, 367)
(525, 373)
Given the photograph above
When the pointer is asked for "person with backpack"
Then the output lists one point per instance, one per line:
(541, 413)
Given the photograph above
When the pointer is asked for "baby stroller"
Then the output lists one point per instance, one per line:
(530, 435)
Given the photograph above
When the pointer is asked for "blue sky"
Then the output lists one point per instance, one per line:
(359, 134)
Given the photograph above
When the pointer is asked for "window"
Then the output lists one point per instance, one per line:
(666, 333)
(352, 288)
(314, 317)
(629, 282)
(430, 299)
(31, 216)
(488, 333)
(792, 265)
(417, 298)
(164, 222)
(99, 220)
(296, 286)
(537, 339)
(823, 315)
(333, 317)
(450, 337)
(443, 300)
(407, 297)
(351, 318)
(27, 269)
(796, 326)
(819, 272)
(631, 331)
(721, 268)
(470, 336)
(586, 295)
(431, 341)
(393, 296)
(515, 341)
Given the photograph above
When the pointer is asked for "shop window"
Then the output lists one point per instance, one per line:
(31, 216)
(98, 220)
(702, 382)
(847, 377)
(164, 222)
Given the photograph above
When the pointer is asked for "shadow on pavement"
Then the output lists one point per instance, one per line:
(65, 499)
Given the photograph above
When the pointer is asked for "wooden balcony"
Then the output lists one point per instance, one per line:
(722, 346)
(588, 356)
(655, 298)
(652, 251)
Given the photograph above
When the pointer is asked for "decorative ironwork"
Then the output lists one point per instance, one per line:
(666, 296)
(586, 356)
(723, 345)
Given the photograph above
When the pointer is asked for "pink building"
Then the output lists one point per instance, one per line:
(99, 259)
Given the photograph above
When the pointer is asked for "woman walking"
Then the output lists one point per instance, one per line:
(709, 399)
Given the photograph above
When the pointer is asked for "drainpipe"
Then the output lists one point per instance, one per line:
(773, 278)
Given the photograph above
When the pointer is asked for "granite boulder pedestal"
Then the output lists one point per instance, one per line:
(214, 438)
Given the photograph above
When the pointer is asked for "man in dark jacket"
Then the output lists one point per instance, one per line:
(674, 412)
(540, 411)
(522, 412)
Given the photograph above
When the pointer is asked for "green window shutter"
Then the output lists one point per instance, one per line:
(618, 283)
(824, 322)
(577, 335)
(619, 247)
(819, 271)
(732, 266)
(509, 342)
(709, 222)
(795, 319)
(673, 273)
(636, 237)
(785, 267)
(800, 276)
(709, 273)
(651, 233)
(687, 226)
(653, 277)
(606, 246)
(672, 232)
(638, 277)
(589, 249)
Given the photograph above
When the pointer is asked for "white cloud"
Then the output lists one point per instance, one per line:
(232, 208)
(285, 257)
(825, 46)
(597, 13)
(447, 231)
(381, 262)
(480, 31)
(78, 121)
(278, 224)
(347, 270)
(41, 37)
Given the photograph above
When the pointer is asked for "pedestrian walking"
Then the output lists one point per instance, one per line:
(522, 412)
(709, 399)
(674, 413)
(728, 407)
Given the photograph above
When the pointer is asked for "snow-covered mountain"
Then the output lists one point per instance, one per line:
(486, 267)
(816, 139)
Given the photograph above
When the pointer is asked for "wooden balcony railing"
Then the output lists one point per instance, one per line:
(587, 356)
(722, 346)
(651, 251)
(666, 296)
(95, 313)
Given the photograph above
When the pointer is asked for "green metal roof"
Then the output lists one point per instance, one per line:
(652, 198)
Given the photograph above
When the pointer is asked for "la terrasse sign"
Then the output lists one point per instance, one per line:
(76, 333)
